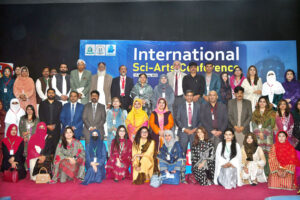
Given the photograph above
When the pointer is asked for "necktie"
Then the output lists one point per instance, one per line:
(176, 85)
(72, 112)
(94, 110)
(123, 87)
(190, 114)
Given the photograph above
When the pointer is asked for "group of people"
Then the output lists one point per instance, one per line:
(240, 130)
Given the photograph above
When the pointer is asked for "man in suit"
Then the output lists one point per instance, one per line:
(239, 114)
(212, 81)
(102, 83)
(214, 118)
(94, 116)
(71, 115)
(81, 81)
(121, 87)
(175, 80)
(61, 84)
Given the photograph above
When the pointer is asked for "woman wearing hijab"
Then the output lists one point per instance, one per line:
(273, 89)
(13, 149)
(252, 86)
(24, 89)
(6, 87)
(253, 161)
(95, 154)
(120, 156)
(236, 79)
(69, 158)
(171, 159)
(283, 161)
(225, 90)
(35, 146)
(160, 119)
(14, 114)
(2, 128)
(291, 87)
(203, 158)
(136, 119)
(163, 90)
(143, 91)
(228, 162)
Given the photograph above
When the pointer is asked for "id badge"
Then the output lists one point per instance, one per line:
(284, 128)
(213, 117)
(95, 159)
(168, 157)
(141, 91)
(11, 152)
(163, 95)
(114, 122)
(5, 90)
(207, 89)
(259, 126)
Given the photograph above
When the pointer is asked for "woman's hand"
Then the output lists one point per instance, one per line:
(72, 161)
(246, 170)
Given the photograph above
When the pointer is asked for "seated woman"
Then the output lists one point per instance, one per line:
(171, 159)
(69, 158)
(283, 161)
(143, 157)
(253, 161)
(160, 119)
(13, 149)
(95, 159)
(228, 162)
(35, 146)
(203, 158)
(120, 156)
(136, 119)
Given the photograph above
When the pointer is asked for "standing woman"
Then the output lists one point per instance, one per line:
(27, 126)
(120, 156)
(285, 121)
(236, 79)
(273, 89)
(144, 161)
(6, 87)
(24, 89)
(160, 119)
(69, 158)
(163, 90)
(203, 158)
(228, 162)
(14, 114)
(283, 161)
(291, 87)
(115, 117)
(253, 161)
(263, 124)
(252, 86)
(143, 91)
(95, 159)
(136, 119)
(225, 90)
(13, 147)
(2, 128)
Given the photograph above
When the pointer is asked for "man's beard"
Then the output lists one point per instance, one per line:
(51, 97)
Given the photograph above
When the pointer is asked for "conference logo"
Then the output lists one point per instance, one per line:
(100, 49)
(111, 50)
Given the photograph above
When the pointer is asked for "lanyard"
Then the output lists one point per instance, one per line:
(11, 144)
(94, 150)
(122, 147)
(115, 114)
(7, 82)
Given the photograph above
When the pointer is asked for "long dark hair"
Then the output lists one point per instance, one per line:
(33, 114)
(238, 67)
(224, 84)
(138, 136)
(233, 144)
(268, 106)
(287, 109)
(255, 77)
(296, 107)
(197, 139)
(63, 137)
(117, 138)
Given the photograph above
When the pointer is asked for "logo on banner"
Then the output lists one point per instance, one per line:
(111, 50)
(90, 49)
(100, 50)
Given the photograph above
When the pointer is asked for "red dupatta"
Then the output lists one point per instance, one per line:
(12, 142)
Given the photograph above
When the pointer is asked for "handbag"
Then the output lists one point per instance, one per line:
(156, 180)
(43, 178)
(11, 175)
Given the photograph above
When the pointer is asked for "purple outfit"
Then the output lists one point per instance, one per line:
(292, 90)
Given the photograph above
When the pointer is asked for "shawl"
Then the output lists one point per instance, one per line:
(261, 119)
(250, 149)
(272, 86)
(160, 114)
(95, 145)
(232, 80)
(12, 142)
(164, 87)
(137, 117)
(14, 113)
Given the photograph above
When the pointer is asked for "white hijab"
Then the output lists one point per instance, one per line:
(14, 113)
(272, 86)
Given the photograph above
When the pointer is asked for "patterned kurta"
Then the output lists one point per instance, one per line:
(287, 124)
(62, 164)
(203, 151)
(276, 182)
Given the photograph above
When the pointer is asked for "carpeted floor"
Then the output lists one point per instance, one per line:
(26, 189)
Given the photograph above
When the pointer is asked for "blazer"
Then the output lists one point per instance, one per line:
(98, 122)
(245, 117)
(85, 82)
(182, 119)
(171, 77)
(215, 84)
(206, 117)
(116, 90)
(65, 118)
(106, 87)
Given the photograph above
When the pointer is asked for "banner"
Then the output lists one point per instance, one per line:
(157, 57)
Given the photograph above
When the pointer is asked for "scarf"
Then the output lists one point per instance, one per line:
(12, 142)
(272, 86)
(261, 119)
(250, 149)
(232, 82)
(160, 114)
(14, 113)
(164, 87)
(169, 144)
(95, 145)
(137, 116)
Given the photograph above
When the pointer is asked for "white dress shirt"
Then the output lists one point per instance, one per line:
(38, 86)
